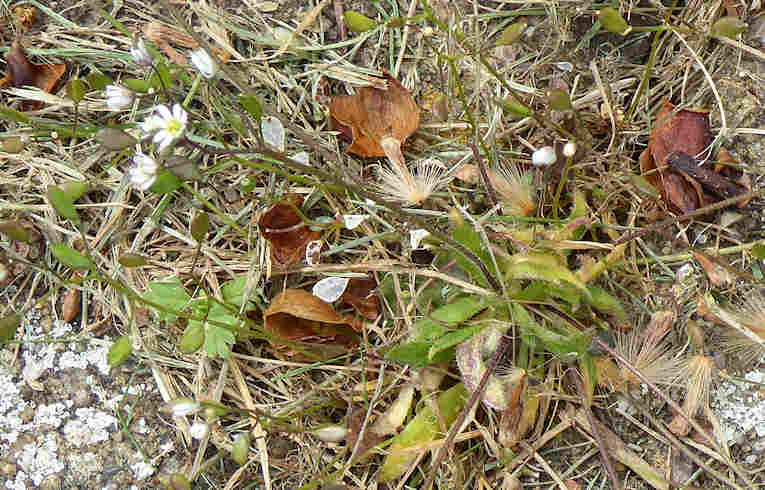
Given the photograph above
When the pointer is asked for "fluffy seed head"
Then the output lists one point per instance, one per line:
(647, 352)
(746, 336)
(515, 188)
(698, 374)
(411, 187)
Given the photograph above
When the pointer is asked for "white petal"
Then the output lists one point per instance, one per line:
(544, 157)
(416, 236)
(164, 112)
(198, 430)
(301, 157)
(331, 288)
(353, 220)
(333, 433)
(178, 112)
(273, 132)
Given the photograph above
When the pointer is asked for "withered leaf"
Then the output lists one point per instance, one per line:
(718, 272)
(373, 114)
(361, 296)
(284, 229)
(21, 72)
(670, 163)
(297, 316)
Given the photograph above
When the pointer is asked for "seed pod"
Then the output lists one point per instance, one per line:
(512, 33)
(612, 21)
(70, 308)
(357, 22)
(240, 448)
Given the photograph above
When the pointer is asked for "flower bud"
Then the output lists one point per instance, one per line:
(184, 406)
(544, 157)
(141, 54)
(357, 22)
(569, 149)
(612, 21)
(204, 63)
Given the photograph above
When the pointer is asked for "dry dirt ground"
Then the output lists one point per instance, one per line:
(67, 422)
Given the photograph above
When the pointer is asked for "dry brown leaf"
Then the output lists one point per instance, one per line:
(360, 294)
(372, 115)
(716, 271)
(679, 142)
(21, 72)
(284, 229)
(24, 16)
(297, 316)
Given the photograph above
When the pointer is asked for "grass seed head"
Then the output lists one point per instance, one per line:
(647, 352)
(745, 338)
(516, 189)
(400, 184)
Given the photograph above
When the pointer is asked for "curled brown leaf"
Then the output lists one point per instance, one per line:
(284, 229)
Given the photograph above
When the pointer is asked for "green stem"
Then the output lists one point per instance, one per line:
(215, 210)
(559, 190)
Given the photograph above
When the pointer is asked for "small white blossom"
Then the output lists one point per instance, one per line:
(569, 149)
(140, 54)
(273, 132)
(352, 221)
(144, 173)
(118, 97)
(205, 63)
(544, 157)
(168, 125)
(198, 430)
(184, 406)
(416, 236)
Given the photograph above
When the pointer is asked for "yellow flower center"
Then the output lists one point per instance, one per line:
(174, 126)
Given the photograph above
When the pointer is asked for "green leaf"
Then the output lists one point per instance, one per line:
(612, 21)
(468, 237)
(423, 428)
(62, 204)
(452, 339)
(357, 22)
(131, 260)
(74, 190)
(76, 90)
(252, 105)
(165, 182)
(416, 354)
(68, 256)
(759, 251)
(602, 301)
(8, 327)
(233, 291)
(171, 295)
(162, 78)
(218, 341)
(98, 81)
(512, 33)
(568, 346)
(543, 267)
(193, 338)
(120, 351)
(137, 85)
(445, 318)
(590, 375)
(9, 114)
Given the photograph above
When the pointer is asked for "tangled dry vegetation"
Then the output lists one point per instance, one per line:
(402, 244)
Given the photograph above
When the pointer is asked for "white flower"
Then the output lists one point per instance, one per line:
(205, 63)
(118, 97)
(144, 173)
(416, 236)
(140, 54)
(352, 221)
(569, 149)
(184, 406)
(544, 157)
(168, 125)
(198, 430)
